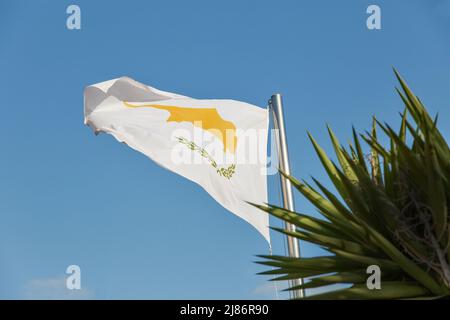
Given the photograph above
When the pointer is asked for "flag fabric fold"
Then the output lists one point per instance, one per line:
(219, 144)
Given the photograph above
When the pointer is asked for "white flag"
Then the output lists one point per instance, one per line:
(219, 144)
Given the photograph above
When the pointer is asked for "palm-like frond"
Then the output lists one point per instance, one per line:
(391, 210)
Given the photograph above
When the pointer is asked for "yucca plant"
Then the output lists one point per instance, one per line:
(390, 210)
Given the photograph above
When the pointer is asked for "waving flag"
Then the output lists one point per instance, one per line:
(219, 144)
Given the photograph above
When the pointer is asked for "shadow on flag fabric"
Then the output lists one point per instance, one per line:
(219, 144)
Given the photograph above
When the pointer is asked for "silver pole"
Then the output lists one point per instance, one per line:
(276, 105)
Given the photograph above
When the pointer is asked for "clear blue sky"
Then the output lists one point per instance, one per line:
(136, 230)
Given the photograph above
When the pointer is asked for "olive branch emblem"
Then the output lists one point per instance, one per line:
(226, 172)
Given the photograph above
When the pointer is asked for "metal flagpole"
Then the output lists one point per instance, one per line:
(276, 106)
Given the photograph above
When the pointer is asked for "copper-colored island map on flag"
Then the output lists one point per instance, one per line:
(205, 118)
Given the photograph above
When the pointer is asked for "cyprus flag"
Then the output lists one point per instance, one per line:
(219, 144)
